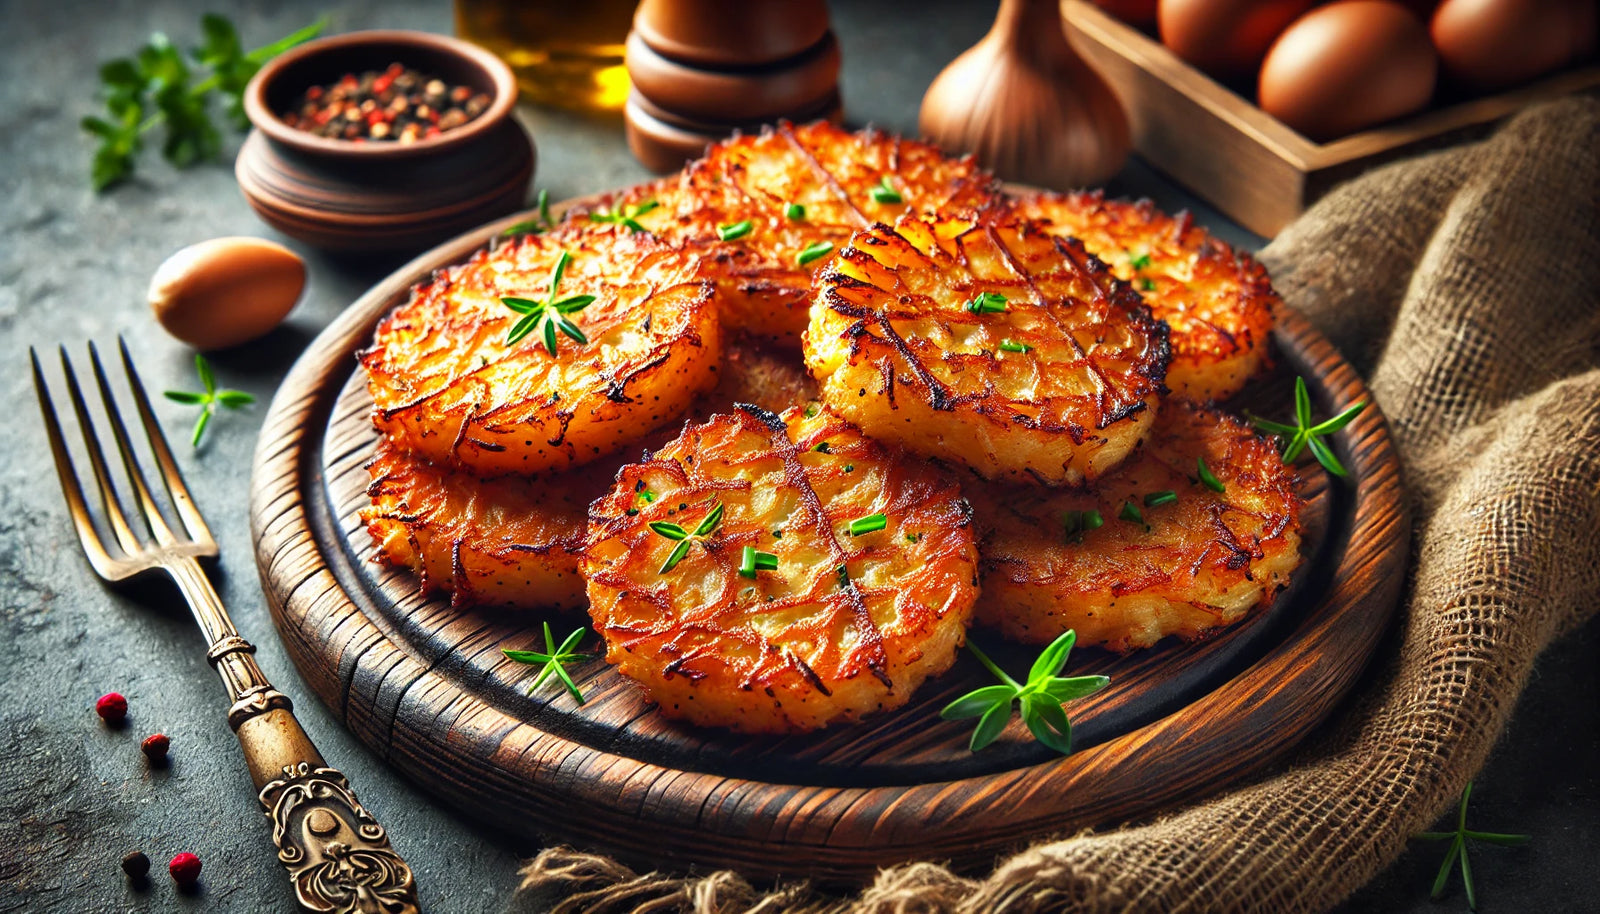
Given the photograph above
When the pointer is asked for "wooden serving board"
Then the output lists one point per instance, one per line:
(426, 687)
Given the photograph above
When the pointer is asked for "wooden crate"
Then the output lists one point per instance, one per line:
(1244, 161)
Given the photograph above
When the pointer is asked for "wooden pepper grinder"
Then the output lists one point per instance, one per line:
(702, 69)
(1027, 105)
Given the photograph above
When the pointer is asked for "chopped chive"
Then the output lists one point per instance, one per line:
(1148, 284)
(987, 303)
(1011, 346)
(1080, 522)
(844, 577)
(678, 552)
(869, 524)
(734, 230)
(813, 252)
(1130, 512)
(884, 192)
(795, 211)
(712, 521)
(647, 496)
(824, 448)
(811, 410)
(1165, 497)
(753, 561)
(913, 537)
(1139, 262)
(1211, 482)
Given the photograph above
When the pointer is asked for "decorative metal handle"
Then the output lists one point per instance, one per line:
(336, 853)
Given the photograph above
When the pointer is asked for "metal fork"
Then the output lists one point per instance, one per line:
(337, 856)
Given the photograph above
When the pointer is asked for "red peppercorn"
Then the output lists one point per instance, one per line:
(112, 708)
(155, 747)
(185, 869)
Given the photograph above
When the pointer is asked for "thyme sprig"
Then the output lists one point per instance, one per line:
(549, 314)
(552, 657)
(672, 531)
(1308, 433)
(209, 399)
(537, 225)
(628, 214)
(1458, 849)
(1041, 698)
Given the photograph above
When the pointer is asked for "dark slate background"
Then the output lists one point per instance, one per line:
(74, 266)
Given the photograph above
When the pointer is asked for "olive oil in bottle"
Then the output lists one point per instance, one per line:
(566, 53)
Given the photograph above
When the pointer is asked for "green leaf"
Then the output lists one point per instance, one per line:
(1434, 835)
(121, 73)
(678, 552)
(527, 656)
(573, 303)
(711, 521)
(558, 271)
(669, 530)
(521, 305)
(977, 702)
(572, 641)
(1302, 402)
(1291, 452)
(206, 377)
(544, 207)
(1157, 499)
(1341, 420)
(233, 399)
(571, 329)
(884, 192)
(734, 230)
(1207, 479)
(1496, 838)
(1444, 871)
(814, 251)
(297, 37)
(566, 680)
(221, 40)
(1466, 877)
(186, 396)
(200, 425)
(989, 726)
(1326, 457)
(521, 328)
(990, 665)
(1276, 428)
(1053, 658)
(1068, 688)
(1048, 723)
(549, 334)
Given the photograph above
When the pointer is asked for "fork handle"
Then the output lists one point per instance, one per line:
(336, 853)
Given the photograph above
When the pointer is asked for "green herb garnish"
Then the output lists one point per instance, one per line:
(1458, 848)
(1147, 284)
(627, 215)
(1138, 262)
(1010, 346)
(1041, 697)
(154, 87)
(824, 448)
(1080, 522)
(1209, 481)
(208, 399)
(812, 409)
(536, 225)
(548, 314)
(552, 657)
(884, 192)
(872, 523)
(1306, 434)
(672, 531)
(1130, 512)
(753, 561)
(1165, 497)
(813, 252)
(844, 577)
(734, 230)
(913, 537)
(794, 211)
(987, 303)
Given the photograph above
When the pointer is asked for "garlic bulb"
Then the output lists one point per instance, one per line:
(1027, 105)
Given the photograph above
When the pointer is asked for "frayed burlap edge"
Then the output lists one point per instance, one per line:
(1464, 285)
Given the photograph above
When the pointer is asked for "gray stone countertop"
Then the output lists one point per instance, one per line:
(74, 266)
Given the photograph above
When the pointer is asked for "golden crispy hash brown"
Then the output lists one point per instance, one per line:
(510, 541)
(1182, 567)
(450, 387)
(828, 626)
(1218, 301)
(842, 181)
(989, 341)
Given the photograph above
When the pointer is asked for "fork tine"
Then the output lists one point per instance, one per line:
(130, 460)
(176, 489)
(97, 462)
(102, 561)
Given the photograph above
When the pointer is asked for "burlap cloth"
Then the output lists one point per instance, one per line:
(1465, 285)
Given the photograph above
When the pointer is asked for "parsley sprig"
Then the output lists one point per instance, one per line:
(1306, 432)
(549, 314)
(552, 657)
(627, 214)
(1041, 698)
(209, 399)
(537, 225)
(672, 531)
(1458, 849)
(157, 86)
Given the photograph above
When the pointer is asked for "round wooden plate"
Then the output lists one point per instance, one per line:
(426, 686)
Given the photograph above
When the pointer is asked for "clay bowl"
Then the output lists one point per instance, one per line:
(383, 197)
(731, 33)
(754, 93)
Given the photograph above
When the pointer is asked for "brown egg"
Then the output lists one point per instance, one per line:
(1490, 44)
(1226, 38)
(226, 291)
(1347, 66)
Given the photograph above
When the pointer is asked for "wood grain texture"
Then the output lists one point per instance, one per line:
(426, 687)
(1243, 160)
